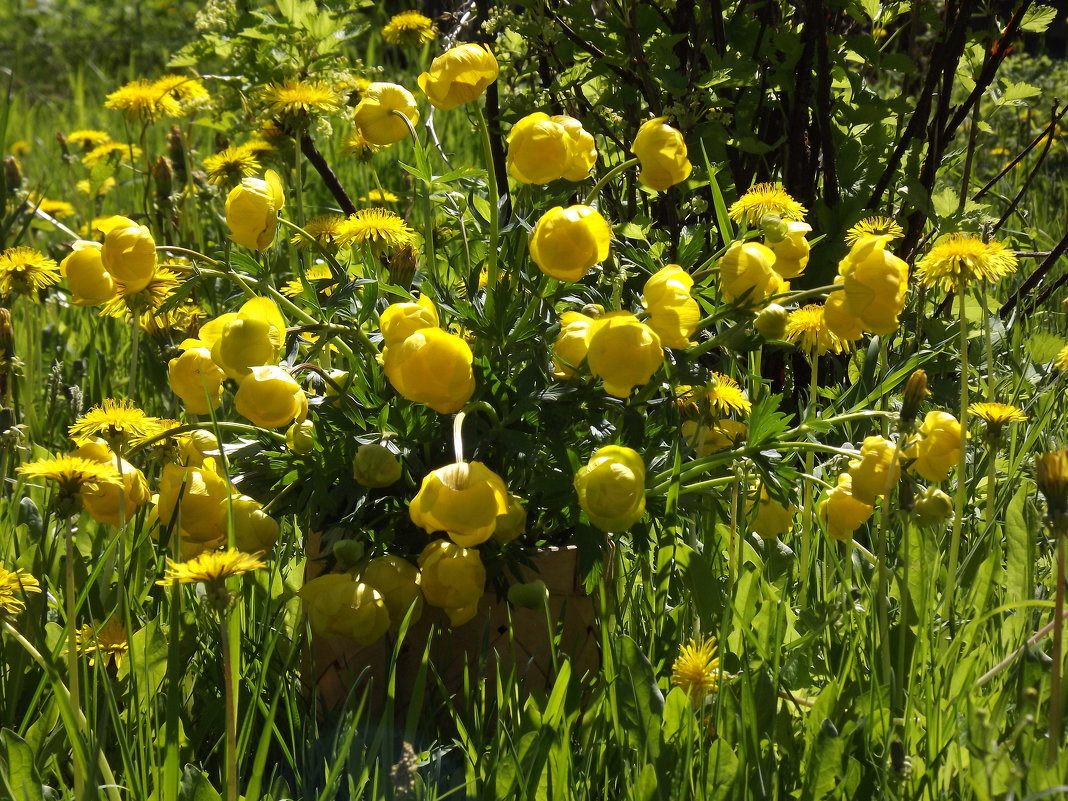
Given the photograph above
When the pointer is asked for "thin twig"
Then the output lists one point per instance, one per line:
(315, 158)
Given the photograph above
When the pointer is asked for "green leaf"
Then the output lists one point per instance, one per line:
(1037, 18)
(196, 787)
(18, 774)
(554, 707)
(722, 768)
(640, 700)
(1016, 93)
(646, 786)
(1042, 347)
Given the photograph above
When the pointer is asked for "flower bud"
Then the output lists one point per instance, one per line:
(915, 392)
(567, 242)
(252, 210)
(569, 350)
(128, 253)
(401, 320)
(792, 249)
(936, 448)
(611, 488)
(432, 367)
(1051, 475)
(463, 499)
(376, 466)
(89, 283)
(531, 595)
(932, 507)
(459, 75)
(512, 523)
(195, 499)
(770, 323)
(195, 378)
(300, 438)
(841, 512)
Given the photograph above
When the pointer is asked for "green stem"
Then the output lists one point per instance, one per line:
(608, 176)
(230, 674)
(806, 504)
(428, 225)
(135, 353)
(1056, 701)
(494, 198)
(73, 679)
(958, 518)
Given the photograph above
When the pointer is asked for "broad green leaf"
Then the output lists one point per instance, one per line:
(196, 787)
(640, 700)
(18, 774)
(722, 768)
(1037, 18)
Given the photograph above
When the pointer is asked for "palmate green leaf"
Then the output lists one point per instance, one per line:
(766, 423)
(1037, 18)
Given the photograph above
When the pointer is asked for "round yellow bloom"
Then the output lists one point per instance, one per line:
(673, 314)
(397, 581)
(709, 439)
(270, 398)
(571, 344)
(841, 512)
(839, 318)
(791, 252)
(875, 284)
(89, 283)
(512, 523)
(537, 149)
(772, 519)
(581, 149)
(337, 606)
(761, 200)
(808, 329)
(432, 367)
(196, 378)
(936, 450)
(254, 530)
(623, 351)
(874, 470)
(452, 578)
(696, 670)
(409, 28)
(250, 337)
(459, 75)
(376, 466)
(958, 259)
(129, 252)
(374, 115)
(400, 320)
(252, 210)
(194, 498)
(463, 499)
(747, 274)
(662, 153)
(932, 507)
(567, 242)
(102, 503)
(611, 488)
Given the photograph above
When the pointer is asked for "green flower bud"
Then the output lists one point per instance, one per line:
(932, 507)
(376, 466)
(771, 322)
(300, 437)
(531, 595)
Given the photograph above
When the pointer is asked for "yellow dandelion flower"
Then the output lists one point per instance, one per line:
(379, 196)
(409, 28)
(105, 642)
(212, 566)
(72, 473)
(181, 318)
(24, 271)
(1000, 151)
(317, 272)
(295, 101)
(143, 101)
(87, 139)
(260, 148)
(60, 209)
(807, 329)
(231, 165)
(696, 670)
(324, 230)
(958, 259)
(996, 416)
(188, 93)
(356, 144)
(375, 225)
(86, 188)
(873, 226)
(725, 396)
(1060, 361)
(126, 304)
(764, 199)
(20, 147)
(13, 582)
(114, 421)
(115, 151)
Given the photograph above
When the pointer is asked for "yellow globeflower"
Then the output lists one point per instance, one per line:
(463, 499)
(374, 115)
(254, 530)
(611, 488)
(270, 398)
(195, 378)
(875, 284)
(400, 320)
(537, 149)
(250, 337)
(839, 318)
(791, 252)
(194, 498)
(581, 149)
(747, 274)
(661, 150)
(89, 283)
(252, 210)
(772, 519)
(936, 449)
(102, 503)
(337, 606)
(458, 76)
(841, 512)
(432, 367)
(567, 242)
(623, 351)
(397, 581)
(452, 578)
(874, 470)
(129, 252)
(571, 344)
(673, 314)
